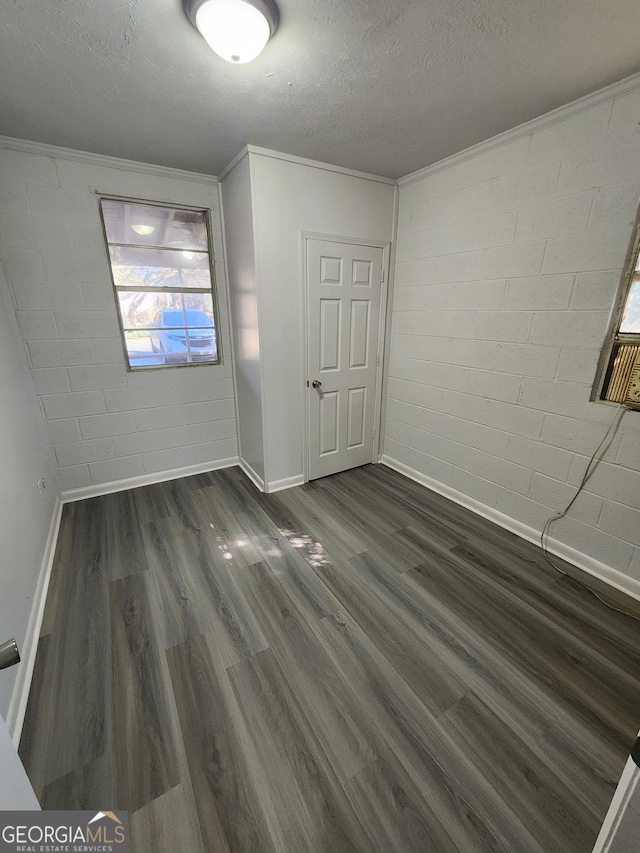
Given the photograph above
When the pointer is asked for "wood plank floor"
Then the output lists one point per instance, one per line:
(353, 665)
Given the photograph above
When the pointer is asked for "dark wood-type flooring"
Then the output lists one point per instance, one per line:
(352, 665)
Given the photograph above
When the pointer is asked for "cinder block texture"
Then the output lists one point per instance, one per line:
(507, 269)
(103, 423)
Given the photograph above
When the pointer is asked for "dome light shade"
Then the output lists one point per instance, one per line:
(142, 229)
(237, 30)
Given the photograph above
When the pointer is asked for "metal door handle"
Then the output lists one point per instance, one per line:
(9, 654)
(316, 383)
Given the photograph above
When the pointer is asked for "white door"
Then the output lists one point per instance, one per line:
(343, 309)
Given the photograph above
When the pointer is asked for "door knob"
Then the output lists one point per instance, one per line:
(316, 383)
(9, 654)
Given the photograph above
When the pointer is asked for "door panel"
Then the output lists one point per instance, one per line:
(362, 273)
(343, 289)
(356, 417)
(329, 426)
(330, 270)
(359, 344)
(330, 310)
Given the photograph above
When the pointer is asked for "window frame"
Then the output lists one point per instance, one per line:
(213, 289)
(613, 335)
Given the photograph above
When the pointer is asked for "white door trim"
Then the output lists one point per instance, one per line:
(629, 780)
(385, 246)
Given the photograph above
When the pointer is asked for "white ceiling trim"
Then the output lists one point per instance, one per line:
(46, 150)
(231, 166)
(303, 161)
(622, 87)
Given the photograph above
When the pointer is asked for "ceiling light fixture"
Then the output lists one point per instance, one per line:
(237, 30)
(143, 230)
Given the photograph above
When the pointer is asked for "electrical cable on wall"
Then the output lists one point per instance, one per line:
(593, 463)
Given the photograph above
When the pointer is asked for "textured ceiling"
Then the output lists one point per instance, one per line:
(385, 86)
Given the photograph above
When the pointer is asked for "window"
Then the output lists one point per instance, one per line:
(623, 341)
(163, 281)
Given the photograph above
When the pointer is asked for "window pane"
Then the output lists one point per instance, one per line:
(179, 346)
(631, 318)
(180, 328)
(162, 275)
(134, 267)
(146, 224)
(149, 309)
(140, 350)
(197, 278)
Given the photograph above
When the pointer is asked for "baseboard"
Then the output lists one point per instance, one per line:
(612, 577)
(94, 491)
(286, 483)
(256, 479)
(274, 485)
(20, 694)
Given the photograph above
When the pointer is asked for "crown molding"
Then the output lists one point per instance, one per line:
(45, 150)
(615, 90)
(303, 161)
(317, 164)
(231, 166)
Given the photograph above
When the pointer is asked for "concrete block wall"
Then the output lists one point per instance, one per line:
(25, 514)
(103, 423)
(508, 261)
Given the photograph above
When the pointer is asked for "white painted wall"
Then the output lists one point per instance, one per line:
(243, 293)
(508, 260)
(25, 517)
(103, 423)
(291, 196)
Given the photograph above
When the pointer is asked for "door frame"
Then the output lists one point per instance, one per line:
(305, 236)
(618, 809)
